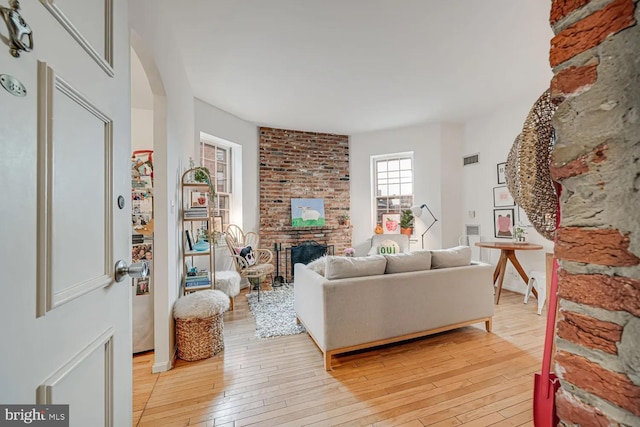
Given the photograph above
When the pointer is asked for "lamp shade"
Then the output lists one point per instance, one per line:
(418, 212)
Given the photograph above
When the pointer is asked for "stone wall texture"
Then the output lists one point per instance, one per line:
(297, 164)
(595, 56)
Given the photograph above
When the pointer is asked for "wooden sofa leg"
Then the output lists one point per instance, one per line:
(488, 324)
(327, 361)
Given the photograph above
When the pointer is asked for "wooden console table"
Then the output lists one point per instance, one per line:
(508, 252)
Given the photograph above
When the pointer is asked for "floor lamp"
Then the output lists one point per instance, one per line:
(418, 212)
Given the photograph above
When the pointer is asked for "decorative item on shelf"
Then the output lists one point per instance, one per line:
(343, 220)
(349, 252)
(201, 174)
(379, 229)
(201, 246)
(406, 222)
(418, 212)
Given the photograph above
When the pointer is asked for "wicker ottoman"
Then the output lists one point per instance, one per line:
(199, 324)
(229, 283)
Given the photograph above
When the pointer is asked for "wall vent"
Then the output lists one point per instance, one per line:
(471, 160)
(472, 230)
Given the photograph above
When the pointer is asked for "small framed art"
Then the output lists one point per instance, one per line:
(199, 199)
(503, 223)
(502, 197)
(502, 178)
(391, 223)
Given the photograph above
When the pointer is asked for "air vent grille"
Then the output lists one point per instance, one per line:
(472, 230)
(471, 160)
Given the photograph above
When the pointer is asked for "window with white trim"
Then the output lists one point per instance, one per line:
(392, 183)
(217, 158)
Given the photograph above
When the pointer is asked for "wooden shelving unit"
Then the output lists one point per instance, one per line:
(197, 227)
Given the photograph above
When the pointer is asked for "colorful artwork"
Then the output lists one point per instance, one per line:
(307, 212)
(391, 223)
(503, 222)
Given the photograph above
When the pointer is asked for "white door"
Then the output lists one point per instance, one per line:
(65, 325)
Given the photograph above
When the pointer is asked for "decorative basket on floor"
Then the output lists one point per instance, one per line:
(199, 338)
(199, 324)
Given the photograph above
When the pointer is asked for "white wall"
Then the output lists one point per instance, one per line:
(173, 134)
(220, 124)
(425, 141)
(141, 129)
(492, 136)
(451, 183)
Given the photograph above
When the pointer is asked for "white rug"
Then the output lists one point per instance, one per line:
(274, 312)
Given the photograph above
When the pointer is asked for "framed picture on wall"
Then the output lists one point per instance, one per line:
(502, 178)
(391, 223)
(503, 223)
(502, 197)
(523, 219)
(218, 226)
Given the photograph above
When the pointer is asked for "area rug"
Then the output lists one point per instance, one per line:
(274, 313)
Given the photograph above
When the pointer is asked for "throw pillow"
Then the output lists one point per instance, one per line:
(452, 257)
(318, 265)
(344, 267)
(385, 247)
(409, 261)
(247, 253)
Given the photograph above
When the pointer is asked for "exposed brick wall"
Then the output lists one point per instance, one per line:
(296, 164)
(596, 159)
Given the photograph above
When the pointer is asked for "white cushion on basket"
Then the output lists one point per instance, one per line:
(200, 304)
(228, 282)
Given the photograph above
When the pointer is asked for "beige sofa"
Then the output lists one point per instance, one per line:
(352, 313)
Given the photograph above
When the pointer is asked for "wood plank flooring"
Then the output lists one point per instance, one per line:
(466, 377)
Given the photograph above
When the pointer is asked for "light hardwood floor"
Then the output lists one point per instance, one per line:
(465, 377)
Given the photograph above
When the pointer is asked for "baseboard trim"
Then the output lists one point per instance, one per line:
(164, 366)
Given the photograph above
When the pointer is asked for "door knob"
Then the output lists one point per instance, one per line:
(136, 270)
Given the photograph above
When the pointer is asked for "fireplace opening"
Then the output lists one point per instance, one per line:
(306, 252)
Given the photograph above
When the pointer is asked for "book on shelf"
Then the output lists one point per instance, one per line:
(199, 276)
(196, 284)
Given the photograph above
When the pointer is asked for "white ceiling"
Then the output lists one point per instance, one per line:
(349, 66)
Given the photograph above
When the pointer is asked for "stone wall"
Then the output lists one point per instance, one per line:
(595, 56)
(297, 164)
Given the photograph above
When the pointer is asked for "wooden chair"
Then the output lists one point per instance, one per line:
(237, 239)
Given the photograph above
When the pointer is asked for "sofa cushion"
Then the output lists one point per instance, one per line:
(338, 267)
(410, 261)
(402, 241)
(318, 265)
(452, 257)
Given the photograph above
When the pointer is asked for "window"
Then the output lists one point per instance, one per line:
(393, 183)
(216, 158)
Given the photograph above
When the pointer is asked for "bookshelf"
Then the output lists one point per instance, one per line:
(198, 248)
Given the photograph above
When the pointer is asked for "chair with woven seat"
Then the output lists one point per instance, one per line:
(256, 267)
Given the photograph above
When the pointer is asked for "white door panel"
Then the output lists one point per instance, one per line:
(64, 160)
(90, 23)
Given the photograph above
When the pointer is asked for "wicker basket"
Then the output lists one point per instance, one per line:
(199, 338)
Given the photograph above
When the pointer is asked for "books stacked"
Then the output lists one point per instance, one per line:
(196, 212)
(199, 280)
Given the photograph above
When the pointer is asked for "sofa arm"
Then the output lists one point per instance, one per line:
(308, 302)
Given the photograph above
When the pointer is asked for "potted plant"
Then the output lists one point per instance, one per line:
(343, 219)
(406, 222)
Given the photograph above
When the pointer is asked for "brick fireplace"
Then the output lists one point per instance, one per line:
(594, 56)
(297, 164)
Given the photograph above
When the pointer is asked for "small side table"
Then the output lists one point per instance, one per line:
(508, 252)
